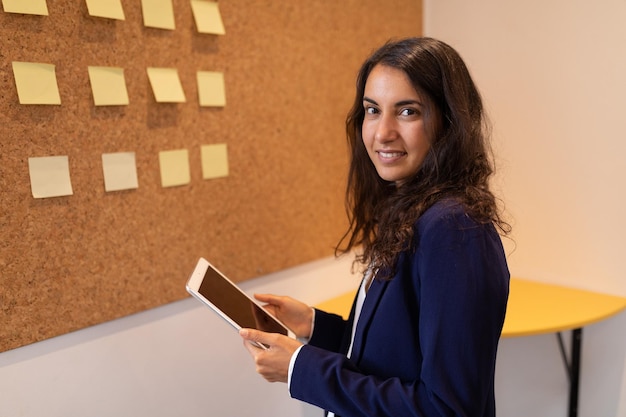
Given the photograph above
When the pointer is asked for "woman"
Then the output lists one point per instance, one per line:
(422, 336)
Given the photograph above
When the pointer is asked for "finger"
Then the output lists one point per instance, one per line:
(268, 298)
(257, 336)
(252, 349)
(272, 309)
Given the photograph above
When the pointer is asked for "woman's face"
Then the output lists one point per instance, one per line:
(394, 131)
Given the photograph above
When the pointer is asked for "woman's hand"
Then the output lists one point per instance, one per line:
(294, 314)
(272, 363)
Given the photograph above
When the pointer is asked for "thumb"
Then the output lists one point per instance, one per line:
(267, 298)
(255, 336)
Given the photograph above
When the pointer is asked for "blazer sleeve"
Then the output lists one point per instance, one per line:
(328, 331)
(461, 273)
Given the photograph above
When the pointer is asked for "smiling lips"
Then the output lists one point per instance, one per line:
(390, 156)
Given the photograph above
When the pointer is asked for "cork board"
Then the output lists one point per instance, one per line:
(74, 261)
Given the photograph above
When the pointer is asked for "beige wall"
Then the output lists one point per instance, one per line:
(552, 75)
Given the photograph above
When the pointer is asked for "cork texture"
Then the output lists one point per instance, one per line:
(289, 66)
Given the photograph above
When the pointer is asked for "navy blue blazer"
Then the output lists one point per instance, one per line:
(426, 340)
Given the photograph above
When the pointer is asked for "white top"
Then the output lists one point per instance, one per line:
(360, 299)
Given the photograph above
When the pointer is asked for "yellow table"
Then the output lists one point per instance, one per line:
(537, 308)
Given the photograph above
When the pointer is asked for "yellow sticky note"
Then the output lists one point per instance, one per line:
(211, 90)
(50, 176)
(158, 14)
(207, 16)
(174, 167)
(120, 171)
(26, 6)
(108, 86)
(110, 9)
(36, 83)
(214, 161)
(166, 85)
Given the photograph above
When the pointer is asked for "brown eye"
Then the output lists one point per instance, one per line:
(370, 110)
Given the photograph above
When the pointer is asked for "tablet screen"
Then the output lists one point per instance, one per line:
(234, 303)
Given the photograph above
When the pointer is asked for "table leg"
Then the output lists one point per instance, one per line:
(577, 337)
(572, 367)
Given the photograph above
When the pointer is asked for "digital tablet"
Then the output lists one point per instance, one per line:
(212, 288)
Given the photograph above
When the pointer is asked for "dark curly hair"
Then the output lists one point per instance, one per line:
(457, 167)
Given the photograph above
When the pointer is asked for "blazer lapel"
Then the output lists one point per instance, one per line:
(372, 300)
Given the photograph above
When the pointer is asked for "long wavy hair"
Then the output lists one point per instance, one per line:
(457, 167)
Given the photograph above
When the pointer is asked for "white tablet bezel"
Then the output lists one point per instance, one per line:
(193, 287)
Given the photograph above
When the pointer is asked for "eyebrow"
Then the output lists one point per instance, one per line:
(398, 104)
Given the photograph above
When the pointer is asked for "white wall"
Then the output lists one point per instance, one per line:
(553, 77)
(177, 360)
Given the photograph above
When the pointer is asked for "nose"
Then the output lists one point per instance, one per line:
(386, 129)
